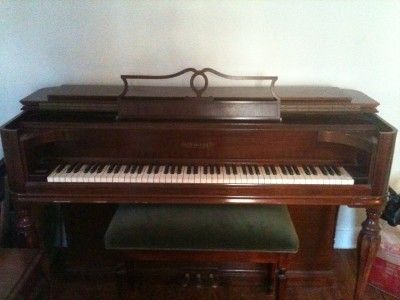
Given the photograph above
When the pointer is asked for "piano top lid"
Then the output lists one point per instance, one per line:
(294, 99)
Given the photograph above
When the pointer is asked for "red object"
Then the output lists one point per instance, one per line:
(385, 272)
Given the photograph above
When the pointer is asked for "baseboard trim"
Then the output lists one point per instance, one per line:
(346, 238)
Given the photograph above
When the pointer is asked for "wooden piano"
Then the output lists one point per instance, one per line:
(90, 147)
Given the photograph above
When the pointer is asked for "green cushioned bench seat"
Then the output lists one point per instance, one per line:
(203, 228)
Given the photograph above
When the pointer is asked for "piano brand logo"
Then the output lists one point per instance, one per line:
(192, 145)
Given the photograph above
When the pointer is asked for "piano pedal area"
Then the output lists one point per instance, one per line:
(152, 281)
(82, 265)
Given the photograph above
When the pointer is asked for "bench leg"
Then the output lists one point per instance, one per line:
(280, 283)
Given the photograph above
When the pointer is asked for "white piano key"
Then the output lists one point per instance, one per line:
(237, 178)
(323, 179)
(102, 176)
(332, 178)
(156, 177)
(192, 176)
(224, 175)
(304, 177)
(90, 177)
(220, 176)
(264, 177)
(316, 178)
(78, 177)
(60, 177)
(298, 178)
(54, 174)
(289, 179)
(231, 176)
(137, 175)
(198, 175)
(273, 177)
(70, 175)
(241, 178)
(346, 177)
(110, 175)
(86, 176)
(214, 175)
(279, 175)
(120, 175)
(127, 175)
(208, 175)
(253, 178)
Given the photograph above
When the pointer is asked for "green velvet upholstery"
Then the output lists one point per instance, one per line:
(202, 227)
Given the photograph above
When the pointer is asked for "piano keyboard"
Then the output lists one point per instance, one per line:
(205, 174)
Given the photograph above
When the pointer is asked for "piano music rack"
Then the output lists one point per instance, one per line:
(199, 107)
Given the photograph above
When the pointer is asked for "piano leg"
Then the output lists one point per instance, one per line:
(367, 246)
(27, 236)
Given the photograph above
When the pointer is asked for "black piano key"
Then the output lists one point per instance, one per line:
(149, 169)
(110, 168)
(313, 170)
(127, 169)
(196, 170)
(284, 171)
(93, 168)
(290, 170)
(100, 168)
(171, 169)
(244, 171)
(228, 169)
(117, 168)
(77, 168)
(266, 169)
(179, 169)
(71, 167)
(87, 168)
(140, 169)
(218, 169)
(250, 169)
(296, 170)
(212, 170)
(330, 171)
(273, 170)
(205, 170)
(234, 170)
(336, 170)
(166, 169)
(323, 170)
(257, 170)
(133, 169)
(157, 169)
(189, 170)
(59, 168)
(306, 170)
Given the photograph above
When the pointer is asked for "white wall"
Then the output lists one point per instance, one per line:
(351, 44)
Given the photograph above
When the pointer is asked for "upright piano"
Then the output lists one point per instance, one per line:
(94, 146)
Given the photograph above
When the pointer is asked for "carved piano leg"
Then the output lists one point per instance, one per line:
(367, 246)
(27, 236)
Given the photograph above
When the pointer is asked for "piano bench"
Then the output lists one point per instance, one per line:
(209, 233)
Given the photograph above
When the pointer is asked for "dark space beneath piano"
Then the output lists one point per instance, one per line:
(75, 128)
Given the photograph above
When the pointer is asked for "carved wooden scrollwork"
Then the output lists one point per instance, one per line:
(202, 73)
